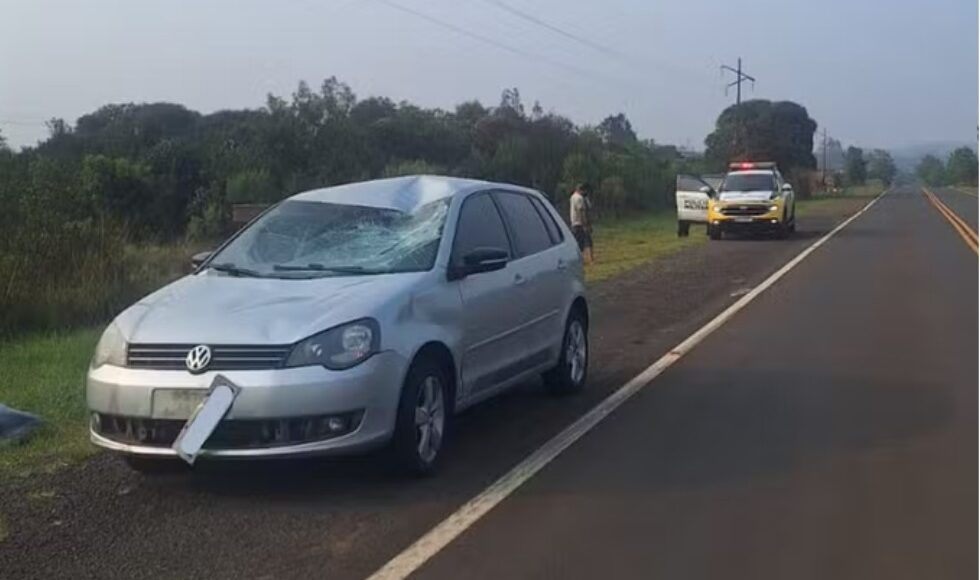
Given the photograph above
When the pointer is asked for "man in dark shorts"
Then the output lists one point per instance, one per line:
(580, 220)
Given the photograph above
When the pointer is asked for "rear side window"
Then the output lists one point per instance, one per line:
(479, 226)
(549, 221)
(530, 235)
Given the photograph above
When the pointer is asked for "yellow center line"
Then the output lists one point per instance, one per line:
(969, 236)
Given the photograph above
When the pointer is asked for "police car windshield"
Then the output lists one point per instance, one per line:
(749, 182)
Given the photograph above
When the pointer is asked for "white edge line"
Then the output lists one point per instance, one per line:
(413, 557)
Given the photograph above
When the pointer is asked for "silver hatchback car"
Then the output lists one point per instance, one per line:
(349, 318)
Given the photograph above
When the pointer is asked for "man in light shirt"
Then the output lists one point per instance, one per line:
(581, 221)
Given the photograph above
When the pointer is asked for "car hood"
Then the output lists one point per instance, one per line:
(737, 196)
(214, 308)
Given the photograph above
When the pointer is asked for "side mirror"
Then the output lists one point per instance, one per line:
(199, 258)
(787, 187)
(480, 260)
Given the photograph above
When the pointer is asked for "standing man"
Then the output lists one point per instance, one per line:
(581, 221)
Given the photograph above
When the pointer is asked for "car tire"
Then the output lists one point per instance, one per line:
(572, 371)
(683, 229)
(156, 465)
(714, 232)
(422, 423)
(783, 230)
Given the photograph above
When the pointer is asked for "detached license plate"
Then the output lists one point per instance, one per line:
(205, 419)
(176, 403)
(743, 220)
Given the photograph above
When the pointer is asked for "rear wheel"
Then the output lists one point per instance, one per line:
(683, 228)
(573, 365)
(423, 418)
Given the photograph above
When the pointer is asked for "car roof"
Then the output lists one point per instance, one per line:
(401, 193)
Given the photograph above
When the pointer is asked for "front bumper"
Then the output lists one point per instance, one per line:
(770, 220)
(367, 393)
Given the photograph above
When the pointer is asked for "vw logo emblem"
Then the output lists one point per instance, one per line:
(198, 358)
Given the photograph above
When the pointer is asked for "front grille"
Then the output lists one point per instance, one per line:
(223, 357)
(745, 210)
(230, 434)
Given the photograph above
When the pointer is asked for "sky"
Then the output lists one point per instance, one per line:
(873, 73)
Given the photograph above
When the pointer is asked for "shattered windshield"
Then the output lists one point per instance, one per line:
(301, 239)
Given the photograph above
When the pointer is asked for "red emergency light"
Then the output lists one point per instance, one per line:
(752, 165)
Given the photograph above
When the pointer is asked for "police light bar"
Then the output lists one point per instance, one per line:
(752, 165)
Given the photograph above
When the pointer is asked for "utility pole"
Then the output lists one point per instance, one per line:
(824, 132)
(740, 77)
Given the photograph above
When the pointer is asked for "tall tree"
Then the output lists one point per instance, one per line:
(763, 130)
(617, 130)
(855, 167)
(881, 166)
(931, 170)
(962, 166)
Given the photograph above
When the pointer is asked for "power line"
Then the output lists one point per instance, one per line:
(485, 39)
(570, 35)
(629, 59)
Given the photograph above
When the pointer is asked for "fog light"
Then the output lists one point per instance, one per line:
(716, 222)
(337, 424)
(774, 221)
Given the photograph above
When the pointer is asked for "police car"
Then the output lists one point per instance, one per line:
(753, 197)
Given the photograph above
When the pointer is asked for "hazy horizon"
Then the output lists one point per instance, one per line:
(874, 77)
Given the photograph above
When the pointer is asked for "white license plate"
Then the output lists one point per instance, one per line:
(743, 220)
(176, 403)
(205, 419)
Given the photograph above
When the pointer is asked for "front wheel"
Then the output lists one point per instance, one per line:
(423, 417)
(714, 232)
(573, 365)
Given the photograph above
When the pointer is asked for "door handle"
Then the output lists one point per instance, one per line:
(519, 280)
(562, 264)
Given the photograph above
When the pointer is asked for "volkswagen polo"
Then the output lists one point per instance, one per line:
(347, 319)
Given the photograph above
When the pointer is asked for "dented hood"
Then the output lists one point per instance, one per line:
(213, 308)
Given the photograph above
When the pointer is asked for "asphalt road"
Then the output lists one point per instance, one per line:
(964, 204)
(829, 430)
(831, 424)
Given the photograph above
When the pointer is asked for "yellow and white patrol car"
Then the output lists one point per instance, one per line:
(754, 197)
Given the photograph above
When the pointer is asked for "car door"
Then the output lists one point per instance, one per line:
(491, 313)
(692, 203)
(539, 267)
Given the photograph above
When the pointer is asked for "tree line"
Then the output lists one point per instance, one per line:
(960, 168)
(127, 175)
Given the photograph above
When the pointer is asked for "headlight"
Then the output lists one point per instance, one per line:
(773, 208)
(340, 347)
(111, 348)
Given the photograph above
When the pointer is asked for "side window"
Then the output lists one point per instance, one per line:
(479, 226)
(530, 235)
(549, 221)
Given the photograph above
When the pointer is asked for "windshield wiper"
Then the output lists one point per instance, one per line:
(234, 270)
(314, 267)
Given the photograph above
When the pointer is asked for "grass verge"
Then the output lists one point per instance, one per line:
(45, 375)
(624, 244)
